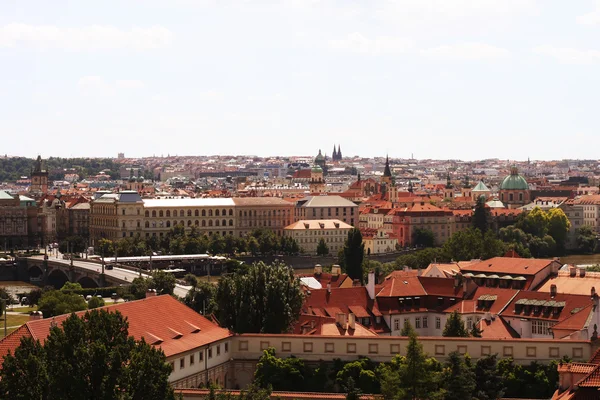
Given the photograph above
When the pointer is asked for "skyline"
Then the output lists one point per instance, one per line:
(459, 79)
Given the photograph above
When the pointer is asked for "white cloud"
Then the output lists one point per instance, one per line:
(591, 18)
(569, 55)
(130, 84)
(414, 11)
(467, 51)
(358, 43)
(94, 37)
(96, 85)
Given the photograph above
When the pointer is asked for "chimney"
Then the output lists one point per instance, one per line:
(406, 268)
(329, 287)
(593, 291)
(351, 321)
(318, 269)
(341, 320)
(582, 272)
(371, 285)
(336, 270)
(553, 290)
(572, 271)
(457, 279)
(356, 283)
(150, 293)
(488, 316)
(35, 315)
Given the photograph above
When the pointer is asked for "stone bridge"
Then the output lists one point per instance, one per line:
(55, 273)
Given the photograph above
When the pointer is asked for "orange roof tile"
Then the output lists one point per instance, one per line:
(508, 265)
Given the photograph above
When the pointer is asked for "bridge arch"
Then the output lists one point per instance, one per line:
(35, 271)
(87, 282)
(57, 278)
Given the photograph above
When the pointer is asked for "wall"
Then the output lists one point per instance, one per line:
(208, 367)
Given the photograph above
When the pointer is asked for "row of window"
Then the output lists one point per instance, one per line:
(196, 213)
(204, 223)
(192, 357)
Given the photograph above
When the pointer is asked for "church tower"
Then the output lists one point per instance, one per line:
(449, 189)
(387, 172)
(39, 177)
(339, 153)
(466, 189)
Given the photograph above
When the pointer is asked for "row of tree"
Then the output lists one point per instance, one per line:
(178, 241)
(413, 376)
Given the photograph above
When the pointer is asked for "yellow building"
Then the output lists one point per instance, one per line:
(308, 233)
(116, 215)
(262, 212)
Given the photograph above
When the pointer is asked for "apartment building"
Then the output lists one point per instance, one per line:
(308, 233)
(326, 207)
(116, 215)
(271, 213)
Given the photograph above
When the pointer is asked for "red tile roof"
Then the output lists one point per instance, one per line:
(497, 328)
(470, 304)
(508, 265)
(592, 380)
(573, 304)
(324, 278)
(152, 318)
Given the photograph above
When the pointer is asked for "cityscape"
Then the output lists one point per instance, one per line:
(299, 200)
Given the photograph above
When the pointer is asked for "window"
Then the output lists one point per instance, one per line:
(216, 213)
(329, 348)
(469, 323)
(373, 348)
(264, 345)
(286, 346)
(192, 360)
(210, 353)
(204, 213)
(540, 327)
(507, 351)
(218, 350)
(308, 347)
(418, 322)
(424, 322)
(440, 350)
(181, 363)
(394, 349)
(577, 352)
(461, 349)
(351, 348)
(438, 323)
(226, 347)
(554, 352)
(153, 213)
(531, 351)
(201, 356)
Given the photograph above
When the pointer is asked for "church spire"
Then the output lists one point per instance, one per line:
(387, 172)
(448, 181)
(339, 153)
(334, 154)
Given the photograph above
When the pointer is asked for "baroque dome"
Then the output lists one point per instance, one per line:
(514, 181)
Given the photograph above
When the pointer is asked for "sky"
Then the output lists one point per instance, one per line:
(441, 79)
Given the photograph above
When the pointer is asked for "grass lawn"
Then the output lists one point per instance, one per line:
(8, 331)
(13, 320)
(25, 309)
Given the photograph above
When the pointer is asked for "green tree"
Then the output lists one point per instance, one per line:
(352, 392)
(95, 302)
(92, 357)
(71, 286)
(217, 244)
(34, 296)
(280, 374)
(202, 298)
(475, 331)
(455, 327)
(423, 238)
(354, 252)
(534, 222)
(492, 246)
(488, 379)
(138, 288)
(558, 228)
(464, 245)
(407, 329)
(458, 378)
(418, 374)
(163, 282)
(105, 248)
(263, 298)
(586, 239)
(481, 215)
(322, 249)
(253, 246)
(73, 244)
(57, 302)
(362, 372)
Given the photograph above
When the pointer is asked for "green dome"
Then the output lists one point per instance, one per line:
(316, 169)
(514, 181)
(319, 157)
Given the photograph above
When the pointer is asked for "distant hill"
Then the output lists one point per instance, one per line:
(11, 169)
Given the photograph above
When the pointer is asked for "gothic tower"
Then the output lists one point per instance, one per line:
(39, 177)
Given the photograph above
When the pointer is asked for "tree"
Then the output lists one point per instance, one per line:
(322, 249)
(458, 378)
(217, 244)
(73, 244)
(492, 246)
(163, 282)
(455, 327)
(352, 392)
(57, 302)
(34, 296)
(475, 331)
(95, 302)
(418, 373)
(92, 357)
(407, 330)
(263, 298)
(71, 286)
(138, 288)
(423, 238)
(464, 245)
(534, 222)
(586, 239)
(280, 374)
(105, 247)
(354, 252)
(480, 215)
(362, 372)
(558, 227)
(202, 298)
(488, 379)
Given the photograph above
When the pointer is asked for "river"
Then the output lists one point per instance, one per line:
(585, 259)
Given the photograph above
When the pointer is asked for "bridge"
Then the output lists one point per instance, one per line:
(58, 271)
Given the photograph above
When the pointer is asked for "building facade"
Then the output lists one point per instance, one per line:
(271, 213)
(308, 233)
(326, 207)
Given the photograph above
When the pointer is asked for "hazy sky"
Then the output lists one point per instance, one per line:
(463, 79)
